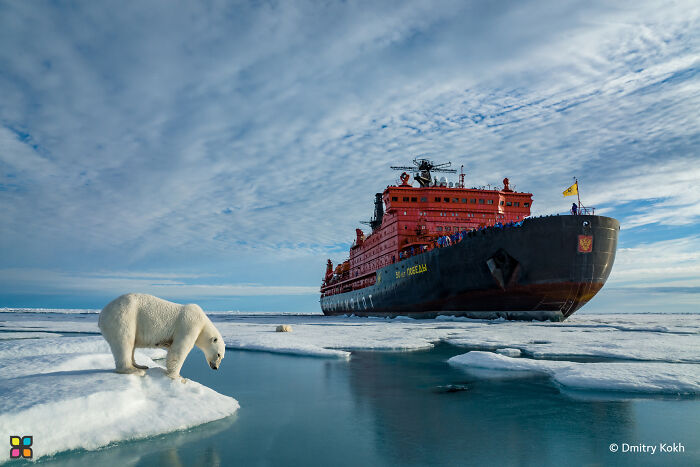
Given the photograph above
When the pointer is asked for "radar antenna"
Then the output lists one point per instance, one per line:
(423, 167)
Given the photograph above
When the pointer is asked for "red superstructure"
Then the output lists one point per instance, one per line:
(414, 220)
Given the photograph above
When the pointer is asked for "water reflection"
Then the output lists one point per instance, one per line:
(521, 421)
(174, 449)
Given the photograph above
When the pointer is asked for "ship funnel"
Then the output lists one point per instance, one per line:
(378, 211)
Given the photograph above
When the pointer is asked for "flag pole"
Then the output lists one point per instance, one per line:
(578, 195)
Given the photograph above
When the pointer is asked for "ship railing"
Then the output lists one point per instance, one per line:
(415, 245)
(344, 283)
(449, 240)
(444, 241)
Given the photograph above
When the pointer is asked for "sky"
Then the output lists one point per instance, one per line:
(219, 152)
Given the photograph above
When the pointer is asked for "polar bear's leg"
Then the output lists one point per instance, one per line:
(123, 350)
(178, 351)
(122, 358)
(133, 361)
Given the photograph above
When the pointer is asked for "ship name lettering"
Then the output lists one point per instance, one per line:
(417, 269)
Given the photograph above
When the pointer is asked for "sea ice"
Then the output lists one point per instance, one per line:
(664, 343)
(64, 392)
(655, 337)
(329, 338)
(8, 335)
(509, 352)
(645, 377)
(68, 324)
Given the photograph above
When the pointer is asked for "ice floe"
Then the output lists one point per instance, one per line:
(67, 324)
(586, 337)
(6, 335)
(509, 352)
(330, 338)
(65, 393)
(50, 310)
(620, 345)
(652, 337)
(43, 377)
(645, 377)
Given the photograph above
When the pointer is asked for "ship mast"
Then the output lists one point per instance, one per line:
(423, 167)
(578, 193)
(581, 208)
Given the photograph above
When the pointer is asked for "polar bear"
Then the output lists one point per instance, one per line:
(140, 320)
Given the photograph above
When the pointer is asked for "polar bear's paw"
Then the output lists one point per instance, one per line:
(182, 379)
(132, 371)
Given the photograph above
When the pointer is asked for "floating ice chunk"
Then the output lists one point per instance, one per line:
(508, 352)
(76, 388)
(544, 340)
(329, 338)
(645, 377)
(294, 349)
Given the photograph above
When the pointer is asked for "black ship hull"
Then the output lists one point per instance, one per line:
(545, 269)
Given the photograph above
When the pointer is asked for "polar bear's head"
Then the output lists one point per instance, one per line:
(212, 344)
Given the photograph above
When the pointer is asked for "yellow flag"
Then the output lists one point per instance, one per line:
(572, 190)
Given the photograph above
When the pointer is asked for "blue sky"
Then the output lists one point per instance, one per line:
(219, 152)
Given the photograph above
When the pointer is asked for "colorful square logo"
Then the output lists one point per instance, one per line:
(20, 447)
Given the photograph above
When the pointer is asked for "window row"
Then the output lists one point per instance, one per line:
(413, 199)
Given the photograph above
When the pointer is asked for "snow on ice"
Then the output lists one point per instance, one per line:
(72, 380)
(647, 377)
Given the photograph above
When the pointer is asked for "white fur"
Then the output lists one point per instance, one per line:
(284, 328)
(140, 320)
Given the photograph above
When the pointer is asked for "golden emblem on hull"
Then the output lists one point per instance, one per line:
(585, 243)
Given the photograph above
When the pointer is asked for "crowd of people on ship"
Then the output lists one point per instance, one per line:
(448, 240)
(412, 252)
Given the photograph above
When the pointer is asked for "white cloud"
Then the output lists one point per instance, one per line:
(667, 263)
(168, 285)
(234, 134)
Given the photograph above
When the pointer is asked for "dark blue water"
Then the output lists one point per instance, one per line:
(384, 408)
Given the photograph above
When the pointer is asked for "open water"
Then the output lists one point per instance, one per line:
(406, 408)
